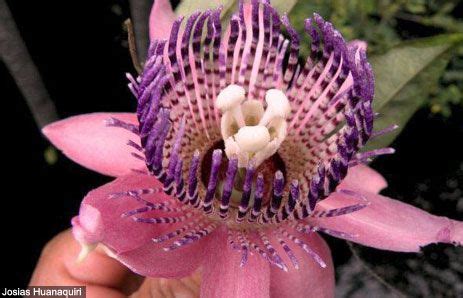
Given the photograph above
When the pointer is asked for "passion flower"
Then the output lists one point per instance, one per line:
(238, 154)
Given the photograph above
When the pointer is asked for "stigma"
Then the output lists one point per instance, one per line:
(250, 132)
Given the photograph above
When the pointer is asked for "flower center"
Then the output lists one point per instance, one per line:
(267, 169)
(251, 133)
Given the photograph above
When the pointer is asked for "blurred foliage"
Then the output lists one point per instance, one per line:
(406, 77)
(187, 7)
(386, 23)
(50, 155)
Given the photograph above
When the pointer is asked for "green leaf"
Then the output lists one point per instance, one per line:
(405, 77)
(187, 7)
(284, 6)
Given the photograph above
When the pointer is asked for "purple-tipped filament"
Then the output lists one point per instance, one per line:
(245, 137)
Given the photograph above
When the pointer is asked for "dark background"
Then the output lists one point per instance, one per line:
(81, 51)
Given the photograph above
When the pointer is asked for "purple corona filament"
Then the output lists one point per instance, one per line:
(247, 187)
(293, 198)
(274, 206)
(228, 187)
(183, 128)
(259, 193)
(193, 180)
(213, 180)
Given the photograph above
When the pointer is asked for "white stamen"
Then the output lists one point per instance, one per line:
(248, 131)
(252, 138)
(232, 149)
(253, 110)
(268, 151)
(229, 100)
(277, 106)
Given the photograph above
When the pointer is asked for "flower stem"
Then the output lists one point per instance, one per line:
(140, 11)
(132, 46)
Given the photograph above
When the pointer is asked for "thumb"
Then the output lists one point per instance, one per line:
(102, 275)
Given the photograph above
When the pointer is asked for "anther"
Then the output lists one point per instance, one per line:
(252, 138)
(229, 101)
(277, 106)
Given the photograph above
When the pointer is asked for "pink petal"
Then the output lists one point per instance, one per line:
(152, 261)
(223, 277)
(390, 224)
(88, 230)
(131, 242)
(310, 280)
(161, 19)
(365, 178)
(88, 141)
